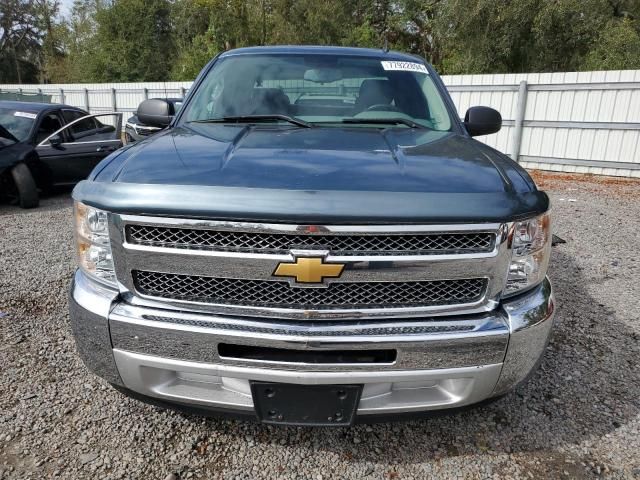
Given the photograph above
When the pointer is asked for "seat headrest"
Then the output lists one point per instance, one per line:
(270, 100)
(373, 92)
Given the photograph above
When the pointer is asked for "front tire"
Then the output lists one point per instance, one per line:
(25, 186)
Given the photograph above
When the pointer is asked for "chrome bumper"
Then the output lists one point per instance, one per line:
(441, 363)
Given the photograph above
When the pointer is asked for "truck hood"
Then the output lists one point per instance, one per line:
(262, 171)
(311, 159)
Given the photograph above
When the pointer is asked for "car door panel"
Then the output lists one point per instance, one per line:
(48, 124)
(74, 159)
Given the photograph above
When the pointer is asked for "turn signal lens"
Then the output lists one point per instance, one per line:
(93, 245)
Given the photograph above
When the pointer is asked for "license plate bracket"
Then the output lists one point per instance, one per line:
(313, 405)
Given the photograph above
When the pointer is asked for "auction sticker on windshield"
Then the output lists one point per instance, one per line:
(25, 115)
(404, 66)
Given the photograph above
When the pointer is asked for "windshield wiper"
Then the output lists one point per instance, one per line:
(256, 118)
(384, 121)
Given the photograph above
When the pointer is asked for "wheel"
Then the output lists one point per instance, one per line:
(25, 186)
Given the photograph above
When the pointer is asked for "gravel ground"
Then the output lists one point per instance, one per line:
(578, 417)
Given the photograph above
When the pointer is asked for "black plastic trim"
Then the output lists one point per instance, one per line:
(295, 206)
(271, 354)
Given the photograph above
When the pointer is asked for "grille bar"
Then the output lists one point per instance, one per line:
(280, 294)
(382, 330)
(337, 244)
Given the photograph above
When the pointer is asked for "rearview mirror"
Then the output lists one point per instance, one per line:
(155, 112)
(482, 121)
(55, 140)
(325, 75)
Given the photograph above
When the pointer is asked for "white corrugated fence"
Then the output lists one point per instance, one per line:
(586, 122)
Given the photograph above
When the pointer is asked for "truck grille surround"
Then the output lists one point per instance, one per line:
(281, 294)
(393, 271)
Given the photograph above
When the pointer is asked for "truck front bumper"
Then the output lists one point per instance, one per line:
(440, 362)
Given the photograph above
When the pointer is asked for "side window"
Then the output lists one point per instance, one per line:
(103, 127)
(49, 124)
(436, 107)
(83, 127)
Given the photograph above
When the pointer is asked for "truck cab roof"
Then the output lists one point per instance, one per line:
(322, 50)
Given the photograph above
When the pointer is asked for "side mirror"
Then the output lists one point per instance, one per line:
(155, 112)
(482, 121)
(55, 140)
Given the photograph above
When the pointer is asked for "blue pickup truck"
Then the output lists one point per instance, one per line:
(315, 238)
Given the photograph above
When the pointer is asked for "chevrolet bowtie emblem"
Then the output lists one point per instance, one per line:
(309, 270)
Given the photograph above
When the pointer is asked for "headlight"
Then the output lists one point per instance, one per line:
(92, 243)
(531, 247)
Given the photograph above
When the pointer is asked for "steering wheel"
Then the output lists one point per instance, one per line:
(382, 107)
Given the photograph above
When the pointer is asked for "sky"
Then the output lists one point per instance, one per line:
(65, 7)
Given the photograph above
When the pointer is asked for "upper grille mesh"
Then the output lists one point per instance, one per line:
(351, 244)
(281, 294)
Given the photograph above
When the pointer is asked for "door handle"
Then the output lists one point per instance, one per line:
(105, 149)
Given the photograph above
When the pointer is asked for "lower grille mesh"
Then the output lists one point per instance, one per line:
(281, 294)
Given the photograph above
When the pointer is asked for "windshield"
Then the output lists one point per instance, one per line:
(321, 90)
(17, 122)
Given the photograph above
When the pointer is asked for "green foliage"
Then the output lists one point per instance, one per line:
(482, 36)
(617, 48)
(80, 44)
(136, 40)
(309, 22)
(27, 39)
(564, 32)
(206, 27)
(133, 42)
(491, 36)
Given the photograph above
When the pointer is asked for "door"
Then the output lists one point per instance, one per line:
(72, 152)
(48, 125)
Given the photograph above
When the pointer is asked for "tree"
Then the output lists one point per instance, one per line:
(617, 48)
(77, 40)
(32, 41)
(133, 42)
(563, 33)
(51, 51)
(488, 36)
(481, 36)
(136, 40)
(19, 41)
(415, 25)
(205, 28)
(310, 22)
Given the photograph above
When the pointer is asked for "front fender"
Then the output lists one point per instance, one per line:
(16, 153)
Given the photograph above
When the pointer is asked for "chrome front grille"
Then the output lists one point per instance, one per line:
(227, 268)
(338, 244)
(278, 294)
